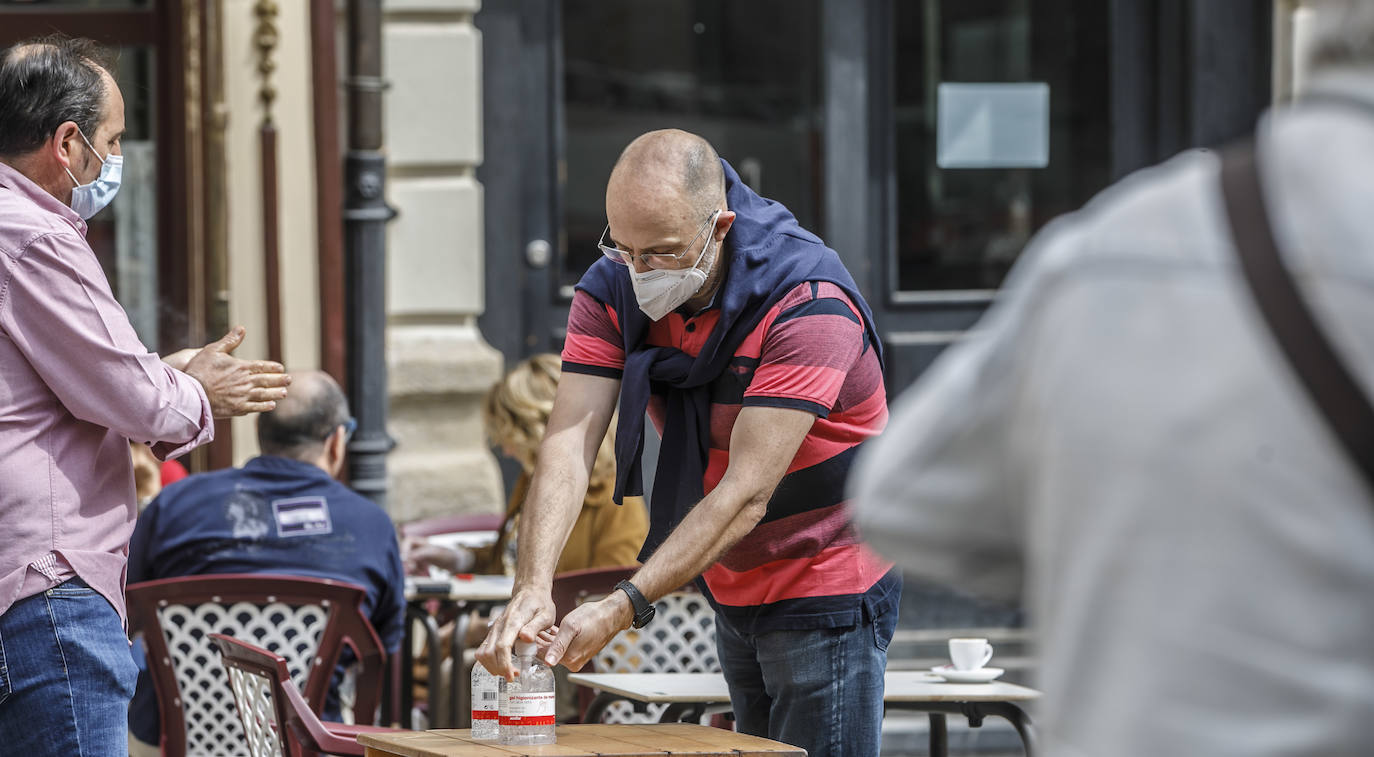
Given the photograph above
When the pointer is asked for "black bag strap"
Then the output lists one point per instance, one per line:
(1315, 361)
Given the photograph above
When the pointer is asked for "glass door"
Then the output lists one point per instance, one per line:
(569, 83)
(1002, 118)
(699, 65)
(925, 140)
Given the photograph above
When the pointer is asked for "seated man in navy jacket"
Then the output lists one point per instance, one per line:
(282, 512)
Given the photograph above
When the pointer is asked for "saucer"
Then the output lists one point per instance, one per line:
(981, 675)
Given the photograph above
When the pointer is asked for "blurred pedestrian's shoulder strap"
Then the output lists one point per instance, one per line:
(1329, 383)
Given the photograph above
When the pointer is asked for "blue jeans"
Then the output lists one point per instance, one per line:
(66, 675)
(818, 689)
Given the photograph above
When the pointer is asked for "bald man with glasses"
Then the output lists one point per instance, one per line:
(748, 344)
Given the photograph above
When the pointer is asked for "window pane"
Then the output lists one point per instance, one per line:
(701, 65)
(124, 234)
(962, 226)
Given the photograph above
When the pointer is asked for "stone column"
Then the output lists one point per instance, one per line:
(440, 366)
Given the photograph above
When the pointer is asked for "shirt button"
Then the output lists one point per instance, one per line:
(691, 327)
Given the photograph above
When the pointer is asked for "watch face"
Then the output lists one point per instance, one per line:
(642, 619)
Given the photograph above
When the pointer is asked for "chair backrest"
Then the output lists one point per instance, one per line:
(254, 674)
(306, 620)
(273, 713)
(681, 638)
(574, 587)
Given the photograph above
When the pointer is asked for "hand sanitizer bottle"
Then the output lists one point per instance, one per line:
(486, 691)
(526, 704)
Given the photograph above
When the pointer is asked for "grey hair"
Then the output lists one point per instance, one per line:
(301, 422)
(1343, 33)
(703, 178)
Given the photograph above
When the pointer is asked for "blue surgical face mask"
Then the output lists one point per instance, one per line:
(88, 199)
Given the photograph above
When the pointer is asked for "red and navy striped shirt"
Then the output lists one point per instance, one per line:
(803, 565)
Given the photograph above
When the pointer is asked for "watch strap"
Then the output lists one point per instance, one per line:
(643, 609)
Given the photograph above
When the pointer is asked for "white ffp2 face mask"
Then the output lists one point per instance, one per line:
(660, 292)
(88, 199)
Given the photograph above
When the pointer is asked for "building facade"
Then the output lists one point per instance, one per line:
(925, 140)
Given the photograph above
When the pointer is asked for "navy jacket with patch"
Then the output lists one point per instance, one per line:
(273, 515)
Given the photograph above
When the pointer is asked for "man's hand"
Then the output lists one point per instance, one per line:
(530, 613)
(588, 628)
(237, 387)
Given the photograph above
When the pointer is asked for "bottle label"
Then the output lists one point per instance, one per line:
(485, 704)
(533, 708)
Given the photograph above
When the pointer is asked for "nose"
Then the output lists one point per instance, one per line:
(640, 266)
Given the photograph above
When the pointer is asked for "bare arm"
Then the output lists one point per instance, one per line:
(581, 414)
(763, 443)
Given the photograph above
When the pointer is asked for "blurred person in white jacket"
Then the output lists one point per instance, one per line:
(1122, 444)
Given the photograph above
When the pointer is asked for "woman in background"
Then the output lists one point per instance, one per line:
(514, 414)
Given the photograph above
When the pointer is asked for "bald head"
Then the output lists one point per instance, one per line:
(667, 174)
(304, 420)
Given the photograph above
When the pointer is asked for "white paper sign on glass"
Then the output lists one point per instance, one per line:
(993, 125)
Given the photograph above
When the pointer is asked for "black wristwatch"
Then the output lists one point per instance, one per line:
(644, 609)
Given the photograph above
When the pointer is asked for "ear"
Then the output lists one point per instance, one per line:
(64, 141)
(336, 449)
(723, 224)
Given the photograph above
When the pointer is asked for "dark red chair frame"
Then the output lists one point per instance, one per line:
(572, 587)
(304, 733)
(346, 625)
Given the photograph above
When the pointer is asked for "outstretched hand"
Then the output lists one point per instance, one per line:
(235, 386)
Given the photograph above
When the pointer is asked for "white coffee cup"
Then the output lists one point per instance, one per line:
(969, 654)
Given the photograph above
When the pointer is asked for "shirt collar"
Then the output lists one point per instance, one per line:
(12, 179)
(285, 466)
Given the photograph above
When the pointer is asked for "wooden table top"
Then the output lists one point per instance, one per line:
(573, 740)
(708, 688)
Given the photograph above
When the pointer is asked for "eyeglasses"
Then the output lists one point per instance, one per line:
(349, 426)
(652, 259)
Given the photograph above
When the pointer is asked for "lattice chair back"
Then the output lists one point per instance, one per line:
(305, 620)
(681, 638)
(252, 672)
(275, 717)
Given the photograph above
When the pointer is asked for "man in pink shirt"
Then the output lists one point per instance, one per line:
(75, 385)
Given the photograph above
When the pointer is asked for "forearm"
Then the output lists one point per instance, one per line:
(546, 519)
(762, 443)
(712, 528)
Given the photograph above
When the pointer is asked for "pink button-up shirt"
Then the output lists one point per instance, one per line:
(75, 384)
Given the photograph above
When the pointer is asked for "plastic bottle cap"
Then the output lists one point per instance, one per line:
(523, 648)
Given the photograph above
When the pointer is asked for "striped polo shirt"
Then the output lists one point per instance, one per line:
(802, 566)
